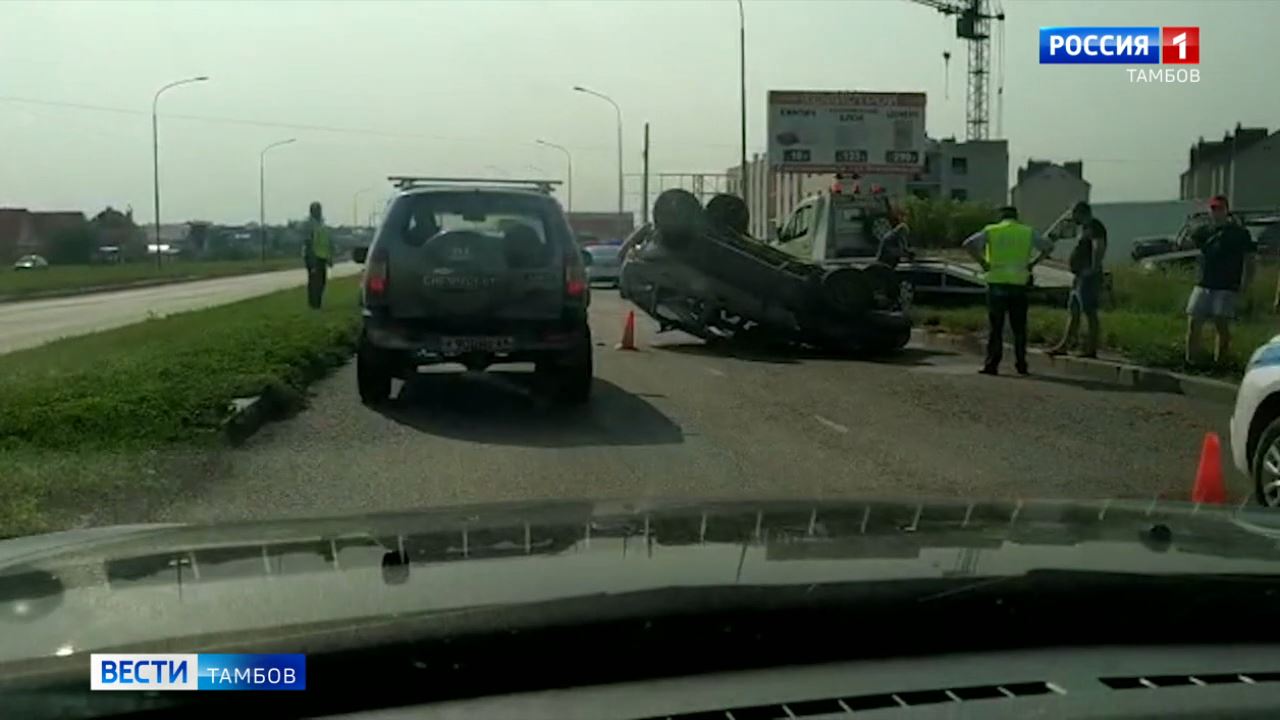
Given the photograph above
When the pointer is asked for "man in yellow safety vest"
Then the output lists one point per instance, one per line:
(317, 252)
(1008, 251)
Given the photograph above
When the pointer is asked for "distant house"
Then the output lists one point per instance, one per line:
(51, 224)
(115, 229)
(1244, 166)
(173, 236)
(17, 234)
(24, 232)
(1045, 189)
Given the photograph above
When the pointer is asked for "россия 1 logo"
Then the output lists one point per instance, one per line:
(1168, 45)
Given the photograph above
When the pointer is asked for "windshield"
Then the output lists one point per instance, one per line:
(858, 226)
(328, 326)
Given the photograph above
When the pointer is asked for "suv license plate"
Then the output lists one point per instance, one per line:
(453, 345)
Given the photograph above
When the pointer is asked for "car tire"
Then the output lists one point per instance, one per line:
(570, 374)
(1270, 436)
(373, 375)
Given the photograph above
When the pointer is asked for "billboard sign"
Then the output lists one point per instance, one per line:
(846, 132)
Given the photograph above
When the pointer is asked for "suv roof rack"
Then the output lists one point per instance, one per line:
(407, 181)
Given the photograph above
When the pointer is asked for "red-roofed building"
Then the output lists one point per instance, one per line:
(24, 232)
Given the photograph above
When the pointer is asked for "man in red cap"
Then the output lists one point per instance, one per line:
(1227, 253)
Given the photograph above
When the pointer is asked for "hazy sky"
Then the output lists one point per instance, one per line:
(465, 87)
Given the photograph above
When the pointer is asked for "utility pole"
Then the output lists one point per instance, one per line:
(262, 193)
(644, 186)
(568, 158)
(155, 151)
(742, 82)
(618, 111)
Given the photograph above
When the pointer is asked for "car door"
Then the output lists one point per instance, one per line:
(799, 230)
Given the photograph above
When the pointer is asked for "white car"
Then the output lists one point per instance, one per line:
(606, 263)
(1255, 423)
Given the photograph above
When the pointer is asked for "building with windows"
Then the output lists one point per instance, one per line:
(969, 171)
(1244, 166)
(1045, 189)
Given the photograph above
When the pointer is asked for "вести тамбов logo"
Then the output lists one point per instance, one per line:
(1175, 49)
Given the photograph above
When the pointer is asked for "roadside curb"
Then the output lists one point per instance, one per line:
(95, 289)
(1112, 372)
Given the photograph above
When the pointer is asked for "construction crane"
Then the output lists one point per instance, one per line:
(973, 23)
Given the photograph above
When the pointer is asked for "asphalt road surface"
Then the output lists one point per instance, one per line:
(35, 322)
(677, 419)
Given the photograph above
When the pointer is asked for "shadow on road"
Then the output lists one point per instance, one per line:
(504, 408)
(1096, 385)
(782, 355)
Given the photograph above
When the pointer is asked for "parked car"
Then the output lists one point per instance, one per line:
(1264, 225)
(1144, 247)
(1255, 423)
(1266, 233)
(476, 273)
(1265, 230)
(1165, 262)
(31, 262)
(606, 263)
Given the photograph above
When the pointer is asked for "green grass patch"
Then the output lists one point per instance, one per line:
(1143, 320)
(17, 284)
(110, 410)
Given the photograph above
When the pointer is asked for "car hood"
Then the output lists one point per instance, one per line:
(151, 586)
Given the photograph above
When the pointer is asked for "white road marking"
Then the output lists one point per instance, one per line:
(833, 425)
(717, 373)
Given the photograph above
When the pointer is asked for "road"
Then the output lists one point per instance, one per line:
(677, 419)
(35, 322)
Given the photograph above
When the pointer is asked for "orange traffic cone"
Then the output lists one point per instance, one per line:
(1209, 487)
(629, 332)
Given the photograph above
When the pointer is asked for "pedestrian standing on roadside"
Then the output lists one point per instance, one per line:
(1086, 283)
(317, 253)
(1007, 251)
(1227, 255)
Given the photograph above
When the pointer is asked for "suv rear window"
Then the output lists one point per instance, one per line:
(486, 227)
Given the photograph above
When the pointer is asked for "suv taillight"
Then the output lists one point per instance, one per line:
(375, 276)
(575, 280)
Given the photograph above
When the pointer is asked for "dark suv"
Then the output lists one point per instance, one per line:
(476, 274)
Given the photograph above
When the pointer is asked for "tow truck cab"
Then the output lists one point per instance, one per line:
(839, 223)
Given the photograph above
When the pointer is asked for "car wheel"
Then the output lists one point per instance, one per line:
(373, 375)
(570, 374)
(1266, 466)
(900, 339)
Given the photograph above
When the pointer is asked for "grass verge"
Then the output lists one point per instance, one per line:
(1144, 320)
(56, 279)
(102, 415)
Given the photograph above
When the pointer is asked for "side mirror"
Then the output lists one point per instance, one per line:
(780, 233)
(360, 253)
(586, 258)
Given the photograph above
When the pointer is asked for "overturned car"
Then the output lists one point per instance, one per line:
(697, 270)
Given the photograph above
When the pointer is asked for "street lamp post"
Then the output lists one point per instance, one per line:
(568, 159)
(155, 151)
(355, 203)
(618, 110)
(262, 193)
(742, 82)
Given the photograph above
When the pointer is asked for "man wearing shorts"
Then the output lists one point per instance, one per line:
(1227, 253)
(1086, 286)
